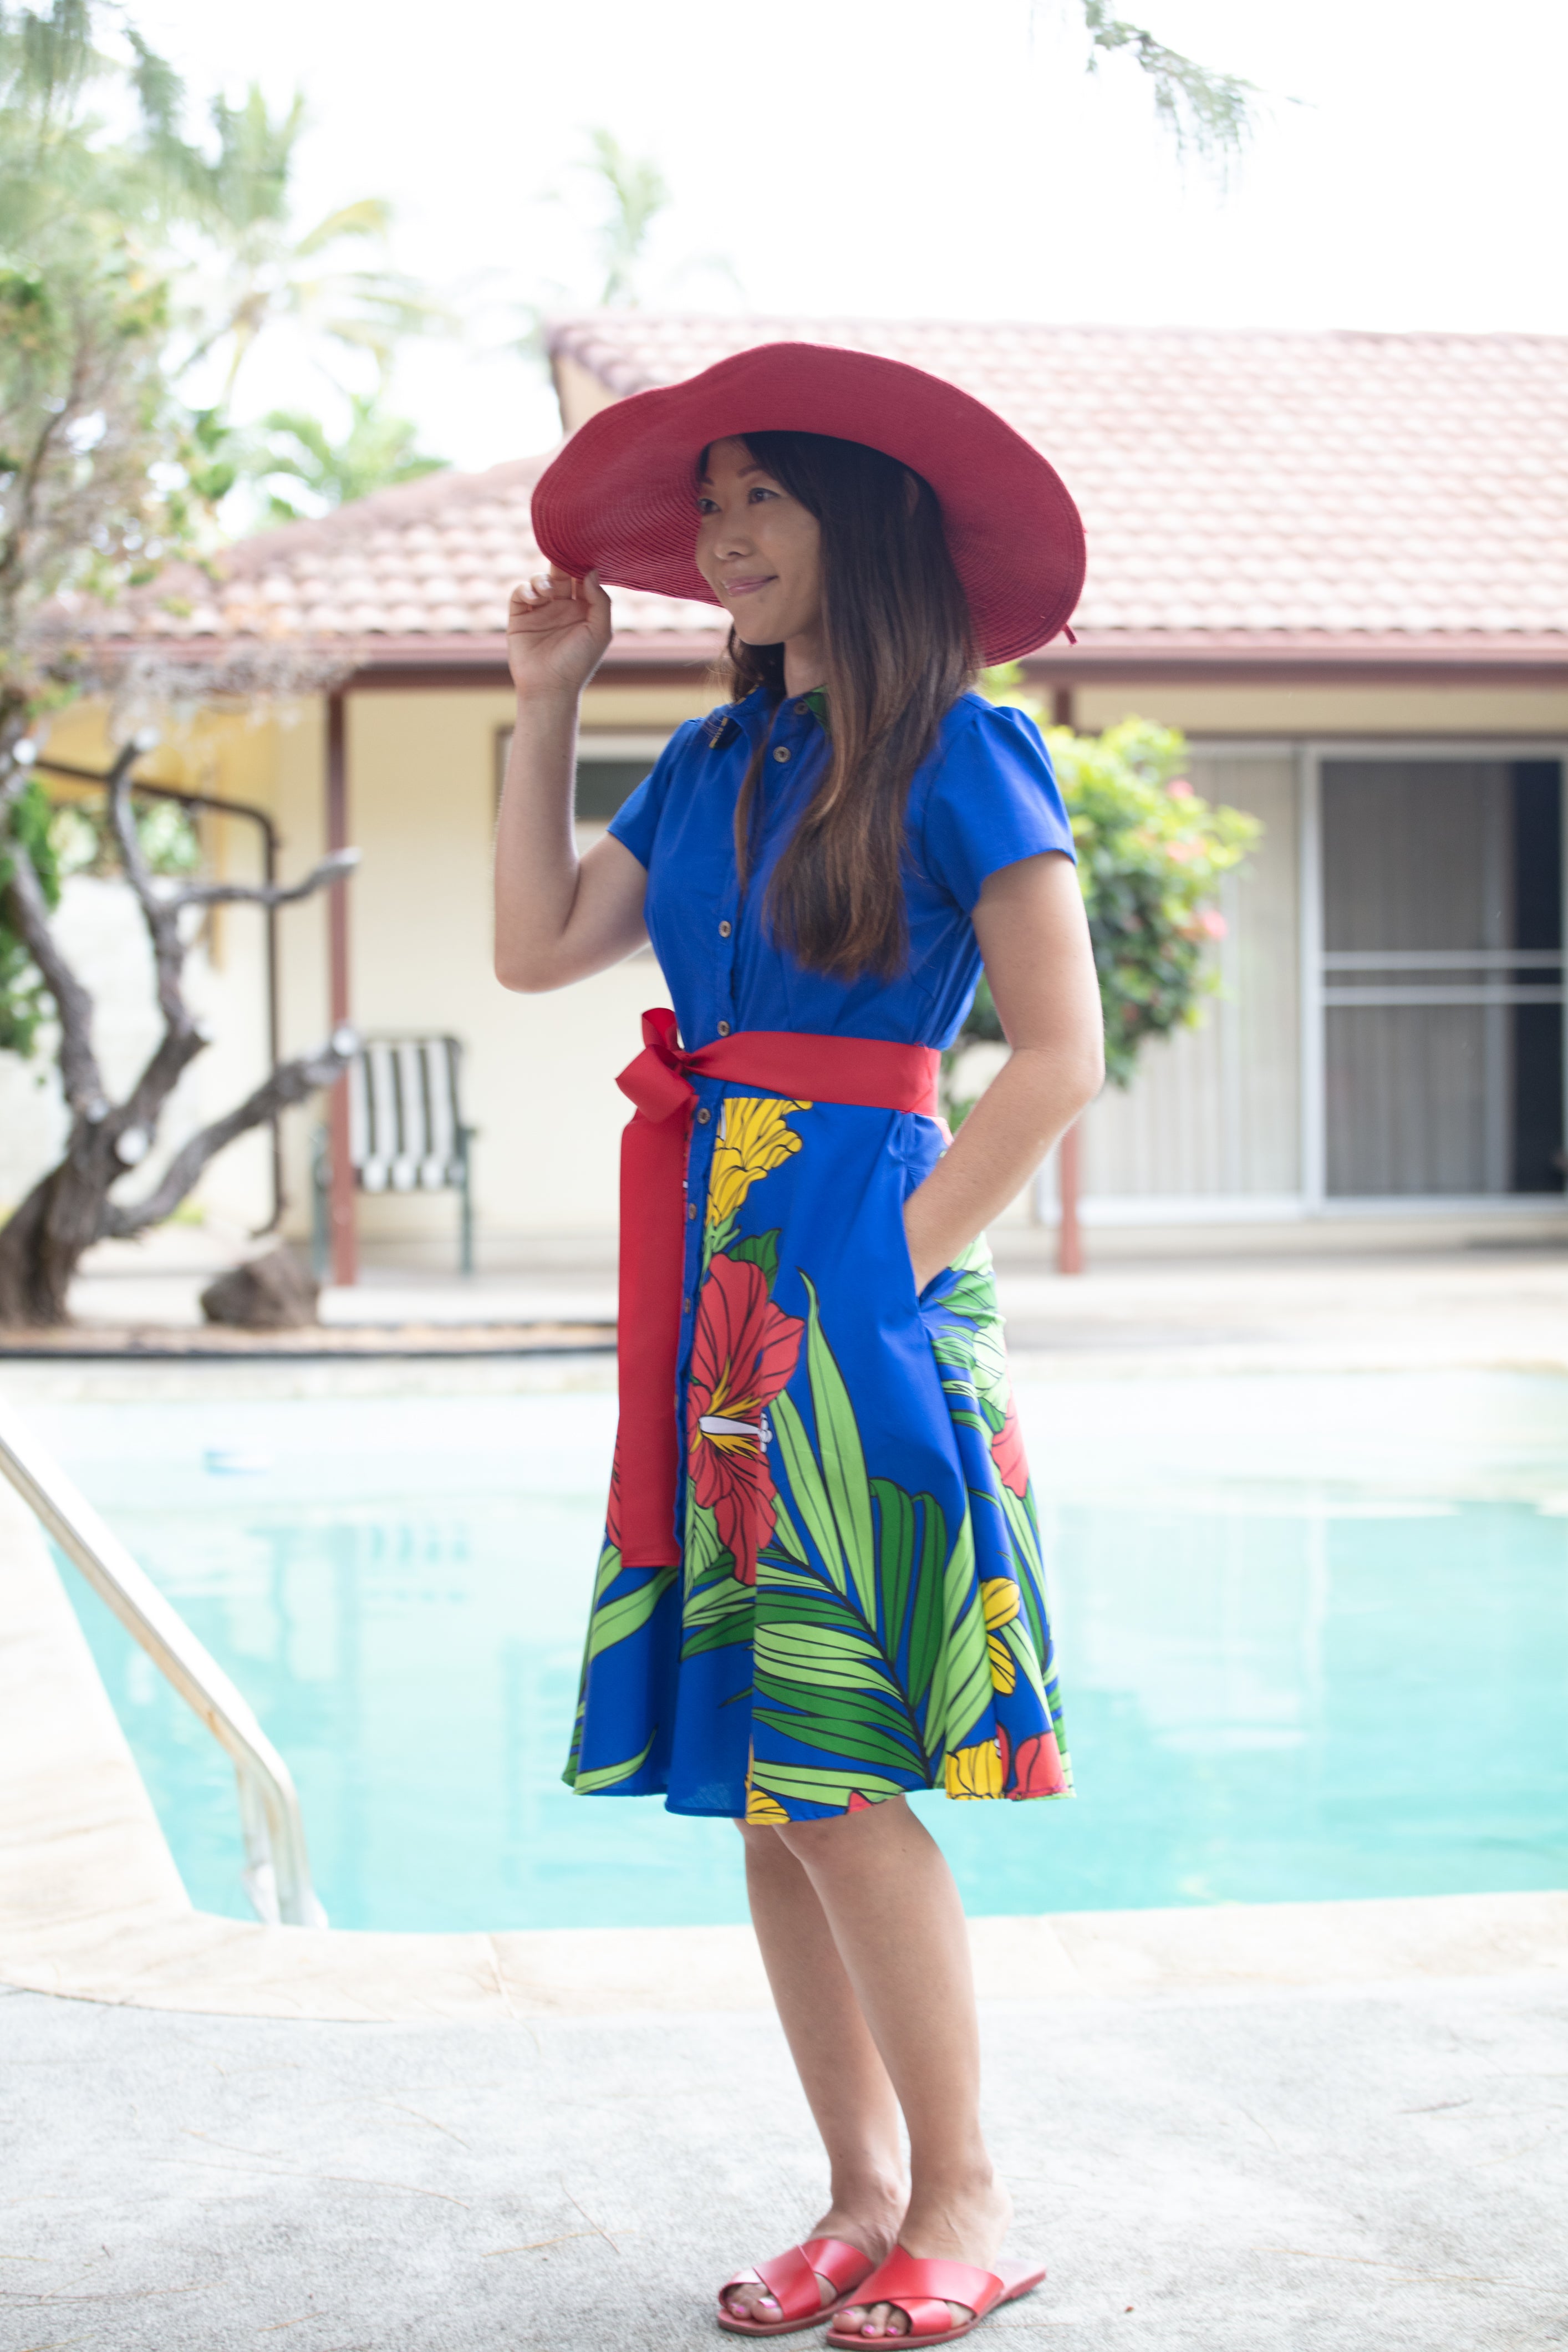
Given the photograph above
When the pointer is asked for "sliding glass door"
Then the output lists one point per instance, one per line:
(1441, 977)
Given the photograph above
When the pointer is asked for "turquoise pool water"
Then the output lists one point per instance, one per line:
(1314, 1632)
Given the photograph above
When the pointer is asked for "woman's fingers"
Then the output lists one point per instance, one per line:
(553, 591)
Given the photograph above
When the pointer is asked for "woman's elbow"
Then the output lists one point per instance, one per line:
(525, 972)
(1091, 1065)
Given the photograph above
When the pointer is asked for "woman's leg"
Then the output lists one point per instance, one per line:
(845, 2081)
(888, 1898)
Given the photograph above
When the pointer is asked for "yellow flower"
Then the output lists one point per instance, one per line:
(755, 1140)
(999, 1595)
(975, 1771)
(764, 1811)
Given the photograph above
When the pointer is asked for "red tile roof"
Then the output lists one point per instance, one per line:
(417, 576)
(1240, 484)
(1337, 496)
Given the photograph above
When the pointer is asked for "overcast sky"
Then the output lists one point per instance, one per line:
(916, 158)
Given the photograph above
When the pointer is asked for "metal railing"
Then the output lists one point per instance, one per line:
(277, 1871)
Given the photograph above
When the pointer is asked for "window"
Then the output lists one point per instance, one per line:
(609, 769)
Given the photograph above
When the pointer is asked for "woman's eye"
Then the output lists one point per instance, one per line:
(757, 491)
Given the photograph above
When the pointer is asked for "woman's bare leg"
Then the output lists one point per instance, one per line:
(889, 1898)
(845, 2081)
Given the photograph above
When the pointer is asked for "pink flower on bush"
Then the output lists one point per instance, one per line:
(1180, 790)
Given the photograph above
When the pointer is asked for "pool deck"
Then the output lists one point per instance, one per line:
(1299, 2127)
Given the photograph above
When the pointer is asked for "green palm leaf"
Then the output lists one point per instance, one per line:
(823, 1657)
(961, 1687)
(805, 1484)
(817, 1784)
(617, 1620)
(879, 1744)
(896, 1512)
(786, 1535)
(607, 1776)
(843, 1459)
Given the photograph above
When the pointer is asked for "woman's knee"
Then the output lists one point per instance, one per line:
(841, 1839)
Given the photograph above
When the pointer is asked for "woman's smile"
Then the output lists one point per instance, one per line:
(760, 551)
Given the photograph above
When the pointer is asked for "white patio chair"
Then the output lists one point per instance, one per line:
(406, 1132)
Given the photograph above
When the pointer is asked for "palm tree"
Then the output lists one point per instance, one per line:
(253, 270)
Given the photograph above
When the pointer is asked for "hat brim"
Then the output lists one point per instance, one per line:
(618, 500)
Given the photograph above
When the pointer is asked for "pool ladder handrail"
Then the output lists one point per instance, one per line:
(277, 1871)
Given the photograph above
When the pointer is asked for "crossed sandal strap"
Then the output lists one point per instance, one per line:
(923, 2288)
(790, 2278)
(835, 2259)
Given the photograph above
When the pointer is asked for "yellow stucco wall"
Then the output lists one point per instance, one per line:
(422, 773)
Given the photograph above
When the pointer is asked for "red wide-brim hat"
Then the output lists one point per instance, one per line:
(620, 498)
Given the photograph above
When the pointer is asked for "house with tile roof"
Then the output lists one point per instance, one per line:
(1339, 561)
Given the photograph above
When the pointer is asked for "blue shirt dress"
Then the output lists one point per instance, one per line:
(860, 1607)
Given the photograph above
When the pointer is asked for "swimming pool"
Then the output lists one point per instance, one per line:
(1315, 1639)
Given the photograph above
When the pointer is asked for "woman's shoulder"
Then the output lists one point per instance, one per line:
(727, 723)
(983, 727)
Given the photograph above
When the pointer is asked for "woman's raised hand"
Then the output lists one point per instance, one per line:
(557, 632)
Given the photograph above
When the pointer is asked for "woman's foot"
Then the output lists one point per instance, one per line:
(960, 2225)
(870, 2222)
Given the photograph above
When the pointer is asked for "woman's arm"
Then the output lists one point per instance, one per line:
(1034, 937)
(558, 917)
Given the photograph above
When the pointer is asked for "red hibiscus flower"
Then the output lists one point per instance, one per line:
(1008, 1452)
(613, 1507)
(1036, 1769)
(744, 1350)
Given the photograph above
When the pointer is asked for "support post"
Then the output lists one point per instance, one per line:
(1069, 1234)
(1062, 713)
(344, 1250)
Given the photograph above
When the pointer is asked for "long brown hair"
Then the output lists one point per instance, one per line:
(900, 653)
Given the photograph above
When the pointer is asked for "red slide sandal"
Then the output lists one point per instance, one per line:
(922, 2291)
(792, 2280)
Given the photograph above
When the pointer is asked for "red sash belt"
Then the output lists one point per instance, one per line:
(865, 1070)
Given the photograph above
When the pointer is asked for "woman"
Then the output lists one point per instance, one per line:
(820, 1584)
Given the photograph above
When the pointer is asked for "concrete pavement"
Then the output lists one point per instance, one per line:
(1360, 2170)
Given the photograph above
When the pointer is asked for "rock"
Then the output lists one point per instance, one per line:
(273, 1293)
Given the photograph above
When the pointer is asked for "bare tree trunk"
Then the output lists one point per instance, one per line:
(44, 1239)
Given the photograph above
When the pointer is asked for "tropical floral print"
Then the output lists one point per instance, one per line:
(860, 1610)
(743, 1351)
(752, 1140)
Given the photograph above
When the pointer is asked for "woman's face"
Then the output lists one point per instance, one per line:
(758, 549)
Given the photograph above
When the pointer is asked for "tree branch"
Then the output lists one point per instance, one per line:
(29, 911)
(335, 868)
(1212, 109)
(160, 913)
(289, 1083)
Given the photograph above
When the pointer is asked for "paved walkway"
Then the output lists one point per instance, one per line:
(1378, 2171)
(1505, 1303)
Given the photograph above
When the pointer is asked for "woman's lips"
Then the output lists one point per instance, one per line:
(749, 587)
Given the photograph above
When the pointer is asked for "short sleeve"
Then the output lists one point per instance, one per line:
(993, 801)
(636, 821)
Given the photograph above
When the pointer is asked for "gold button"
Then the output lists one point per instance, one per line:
(690, 1209)
(723, 930)
(686, 1305)
(781, 752)
(703, 1117)
(801, 709)
(723, 1028)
